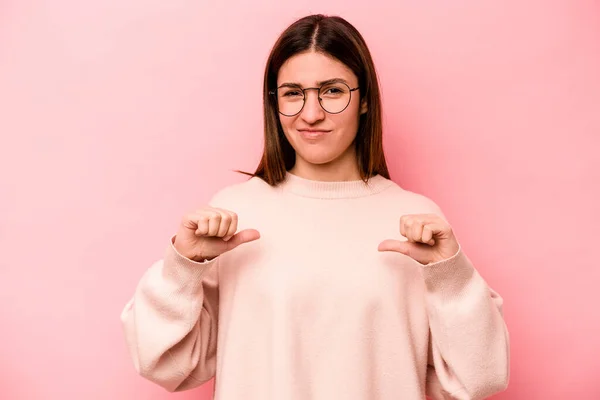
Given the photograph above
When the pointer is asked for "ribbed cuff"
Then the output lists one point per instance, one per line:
(181, 268)
(448, 278)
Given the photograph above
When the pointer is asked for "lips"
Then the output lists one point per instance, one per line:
(312, 133)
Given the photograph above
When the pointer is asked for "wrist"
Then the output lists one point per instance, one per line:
(181, 251)
(189, 256)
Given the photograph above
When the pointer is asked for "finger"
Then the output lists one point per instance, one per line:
(393, 245)
(190, 221)
(213, 223)
(404, 222)
(427, 236)
(417, 251)
(437, 230)
(202, 223)
(224, 224)
(232, 226)
(407, 219)
(397, 246)
(431, 218)
(416, 231)
(245, 236)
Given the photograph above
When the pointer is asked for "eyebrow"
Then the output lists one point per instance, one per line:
(320, 83)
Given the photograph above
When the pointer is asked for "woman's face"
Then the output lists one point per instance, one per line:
(317, 136)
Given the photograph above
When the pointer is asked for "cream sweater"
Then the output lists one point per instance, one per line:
(313, 311)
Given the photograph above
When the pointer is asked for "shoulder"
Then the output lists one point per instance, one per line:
(411, 202)
(236, 194)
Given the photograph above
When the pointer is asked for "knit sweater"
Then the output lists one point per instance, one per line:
(313, 311)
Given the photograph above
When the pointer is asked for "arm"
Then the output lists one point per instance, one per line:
(170, 323)
(469, 342)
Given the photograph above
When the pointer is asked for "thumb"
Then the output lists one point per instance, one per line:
(245, 236)
(394, 245)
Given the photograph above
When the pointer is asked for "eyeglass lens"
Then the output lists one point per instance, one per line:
(333, 97)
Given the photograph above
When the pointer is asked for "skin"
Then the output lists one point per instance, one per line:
(430, 239)
(331, 157)
(208, 232)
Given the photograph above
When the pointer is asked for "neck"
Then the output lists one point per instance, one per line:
(334, 189)
(343, 169)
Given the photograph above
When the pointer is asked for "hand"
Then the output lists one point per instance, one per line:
(430, 239)
(210, 232)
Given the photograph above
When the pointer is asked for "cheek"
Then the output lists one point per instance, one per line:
(288, 126)
(346, 123)
(286, 123)
(350, 116)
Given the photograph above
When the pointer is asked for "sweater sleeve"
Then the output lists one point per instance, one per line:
(468, 342)
(170, 324)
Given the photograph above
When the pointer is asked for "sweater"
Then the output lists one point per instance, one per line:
(313, 311)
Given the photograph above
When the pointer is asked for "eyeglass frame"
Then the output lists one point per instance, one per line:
(318, 89)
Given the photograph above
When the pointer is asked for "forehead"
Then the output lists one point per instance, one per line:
(308, 68)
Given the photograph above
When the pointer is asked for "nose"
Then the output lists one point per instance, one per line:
(312, 111)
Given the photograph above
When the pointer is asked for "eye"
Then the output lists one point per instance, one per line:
(292, 93)
(334, 91)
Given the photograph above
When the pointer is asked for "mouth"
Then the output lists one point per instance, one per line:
(312, 134)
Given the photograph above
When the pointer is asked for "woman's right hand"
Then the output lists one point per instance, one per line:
(210, 232)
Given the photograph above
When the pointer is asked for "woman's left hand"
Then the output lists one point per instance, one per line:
(430, 239)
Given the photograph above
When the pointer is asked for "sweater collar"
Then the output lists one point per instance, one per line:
(334, 190)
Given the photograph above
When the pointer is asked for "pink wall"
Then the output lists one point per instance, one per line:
(117, 116)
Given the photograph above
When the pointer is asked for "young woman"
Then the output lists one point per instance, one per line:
(319, 278)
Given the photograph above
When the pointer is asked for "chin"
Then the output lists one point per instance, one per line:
(319, 158)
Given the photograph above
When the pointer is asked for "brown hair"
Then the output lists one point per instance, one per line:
(337, 38)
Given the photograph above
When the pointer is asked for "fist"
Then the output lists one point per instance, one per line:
(429, 239)
(210, 232)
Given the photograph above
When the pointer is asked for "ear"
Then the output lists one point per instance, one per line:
(363, 106)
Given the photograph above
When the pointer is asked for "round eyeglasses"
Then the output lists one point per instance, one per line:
(334, 97)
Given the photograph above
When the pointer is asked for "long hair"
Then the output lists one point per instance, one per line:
(337, 38)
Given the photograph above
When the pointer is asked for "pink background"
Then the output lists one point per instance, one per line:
(117, 116)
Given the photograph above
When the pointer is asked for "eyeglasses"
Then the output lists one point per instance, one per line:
(334, 97)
